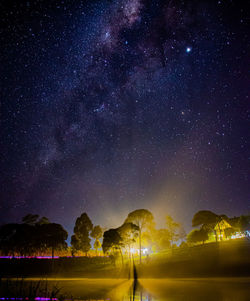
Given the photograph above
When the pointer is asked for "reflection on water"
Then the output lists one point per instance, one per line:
(192, 289)
(145, 289)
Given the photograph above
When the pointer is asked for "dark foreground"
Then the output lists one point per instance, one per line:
(237, 289)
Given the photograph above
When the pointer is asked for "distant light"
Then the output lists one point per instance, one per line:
(188, 49)
(238, 235)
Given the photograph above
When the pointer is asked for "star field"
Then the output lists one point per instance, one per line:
(108, 106)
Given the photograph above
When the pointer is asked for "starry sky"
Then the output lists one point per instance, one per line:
(113, 105)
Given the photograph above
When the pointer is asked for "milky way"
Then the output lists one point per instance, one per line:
(109, 106)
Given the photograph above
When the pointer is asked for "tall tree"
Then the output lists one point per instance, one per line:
(174, 229)
(143, 219)
(80, 241)
(96, 233)
(129, 233)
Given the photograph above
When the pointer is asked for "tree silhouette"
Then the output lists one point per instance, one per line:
(31, 237)
(142, 218)
(207, 220)
(17, 239)
(97, 245)
(30, 219)
(174, 229)
(52, 236)
(43, 220)
(111, 240)
(96, 233)
(80, 241)
(197, 236)
(241, 223)
(204, 217)
(129, 233)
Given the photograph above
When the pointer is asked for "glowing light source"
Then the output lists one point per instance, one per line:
(188, 49)
(132, 250)
(238, 235)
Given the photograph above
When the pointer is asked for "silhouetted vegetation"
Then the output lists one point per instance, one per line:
(137, 236)
(31, 237)
(196, 236)
(80, 241)
(97, 233)
(143, 219)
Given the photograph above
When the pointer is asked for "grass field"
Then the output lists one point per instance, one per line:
(224, 259)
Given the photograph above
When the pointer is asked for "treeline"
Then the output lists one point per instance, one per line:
(32, 236)
(137, 234)
(137, 231)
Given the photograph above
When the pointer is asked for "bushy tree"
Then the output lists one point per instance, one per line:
(229, 232)
(52, 236)
(196, 236)
(111, 240)
(204, 218)
(162, 239)
(32, 236)
(240, 223)
(208, 220)
(129, 233)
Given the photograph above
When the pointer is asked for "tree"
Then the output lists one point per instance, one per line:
(142, 218)
(174, 229)
(241, 223)
(80, 241)
(30, 219)
(43, 220)
(208, 220)
(97, 234)
(75, 244)
(129, 233)
(162, 239)
(97, 245)
(196, 236)
(17, 239)
(204, 217)
(52, 236)
(32, 237)
(229, 232)
(112, 241)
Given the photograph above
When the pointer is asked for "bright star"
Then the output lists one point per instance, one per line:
(188, 49)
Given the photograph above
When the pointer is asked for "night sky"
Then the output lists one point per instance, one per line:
(110, 106)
